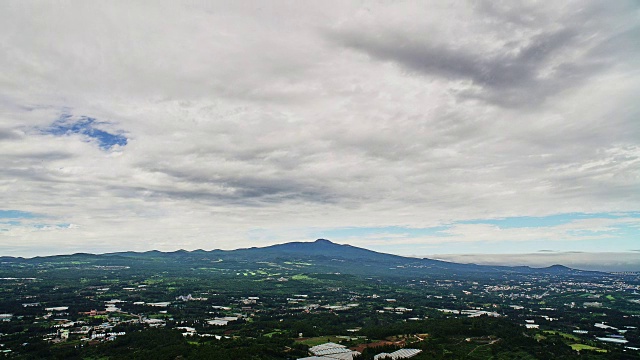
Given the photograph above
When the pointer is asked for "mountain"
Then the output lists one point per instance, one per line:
(364, 260)
(319, 248)
(320, 256)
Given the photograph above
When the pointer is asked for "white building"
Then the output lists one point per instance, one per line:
(331, 351)
(398, 354)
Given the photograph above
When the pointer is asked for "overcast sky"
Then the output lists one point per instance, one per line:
(413, 128)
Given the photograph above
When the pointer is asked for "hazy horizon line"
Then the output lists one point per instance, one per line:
(609, 261)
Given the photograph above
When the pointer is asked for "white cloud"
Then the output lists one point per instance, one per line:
(283, 117)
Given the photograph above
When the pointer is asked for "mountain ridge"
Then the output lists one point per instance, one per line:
(324, 254)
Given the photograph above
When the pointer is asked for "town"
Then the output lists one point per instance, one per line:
(77, 307)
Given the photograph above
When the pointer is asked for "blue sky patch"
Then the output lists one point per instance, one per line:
(17, 214)
(545, 221)
(16, 218)
(89, 127)
(48, 226)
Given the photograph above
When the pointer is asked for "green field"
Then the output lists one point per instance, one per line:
(579, 347)
(320, 340)
(277, 331)
(564, 335)
(301, 277)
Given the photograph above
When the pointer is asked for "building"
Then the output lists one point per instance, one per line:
(398, 354)
(160, 304)
(57, 308)
(331, 351)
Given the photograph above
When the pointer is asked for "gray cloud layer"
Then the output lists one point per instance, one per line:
(533, 55)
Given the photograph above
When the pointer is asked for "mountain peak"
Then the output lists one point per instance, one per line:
(323, 241)
(557, 267)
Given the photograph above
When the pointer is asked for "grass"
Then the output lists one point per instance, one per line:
(580, 347)
(320, 340)
(564, 335)
(301, 277)
(277, 331)
(159, 316)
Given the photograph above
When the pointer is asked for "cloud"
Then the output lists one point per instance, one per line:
(8, 135)
(204, 125)
(548, 53)
(505, 78)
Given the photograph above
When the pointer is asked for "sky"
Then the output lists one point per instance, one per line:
(414, 128)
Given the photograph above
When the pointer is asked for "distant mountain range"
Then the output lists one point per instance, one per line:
(318, 256)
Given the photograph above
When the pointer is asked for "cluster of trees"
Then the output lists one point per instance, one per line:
(477, 338)
(164, 344)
